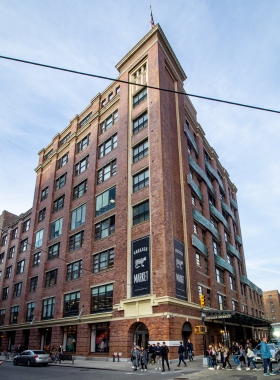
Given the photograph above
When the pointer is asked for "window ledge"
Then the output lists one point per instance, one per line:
(75, 279)
(73, 200)
(76, 228)
(76, 176)
(134, 163)
(107, 178)
(74, 250)
(135, 134)
(83, 149)
(96, 241)
(139, 224)
(140, 189)
(105, 270)
(105, 155)
(106, 212)
(203, 274)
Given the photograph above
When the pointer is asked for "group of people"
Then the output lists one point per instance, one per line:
(240, 351)
(157, 354)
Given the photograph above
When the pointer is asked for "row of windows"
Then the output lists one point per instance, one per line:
(110, 96)
(25, 228)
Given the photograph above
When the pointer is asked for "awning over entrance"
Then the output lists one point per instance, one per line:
(234, 316)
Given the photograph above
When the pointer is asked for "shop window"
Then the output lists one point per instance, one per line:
(70, 338)
(100, 337)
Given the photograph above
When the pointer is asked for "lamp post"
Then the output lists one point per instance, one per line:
(205, 359)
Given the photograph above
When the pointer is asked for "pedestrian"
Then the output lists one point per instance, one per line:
(241, 357)
(164, 355)
(250, 357)
(60, 352)
(150, 353)
(236, 352)
(134, 345)
(226, 357)
(143, 358)
(157, 356)
(266, 355)
(181, 350)
(135, 358)
(221, 355)
(18, 349)
(213, 356)
(190, 350)
(153, 353)
(209, 354)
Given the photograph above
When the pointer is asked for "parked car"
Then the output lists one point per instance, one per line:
(32, 357)
(275, 341)
(275, 353)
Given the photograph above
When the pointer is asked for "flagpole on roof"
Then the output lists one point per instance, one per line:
(152, 24)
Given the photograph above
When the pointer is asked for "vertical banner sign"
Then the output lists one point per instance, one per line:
(180, 272)
(140, 260)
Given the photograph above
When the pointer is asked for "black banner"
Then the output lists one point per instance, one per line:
(180, 272)
(140, 261)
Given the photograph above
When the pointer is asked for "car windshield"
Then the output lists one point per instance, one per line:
(271, 347)
(39, 352)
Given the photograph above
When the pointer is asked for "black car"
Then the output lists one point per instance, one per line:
(32, 357)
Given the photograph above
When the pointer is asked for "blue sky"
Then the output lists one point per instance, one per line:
(228, 49)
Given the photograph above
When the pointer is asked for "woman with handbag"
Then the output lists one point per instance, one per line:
(241, 357)
(143, 358)
(135, 358)
(226, 357)
(250, 357)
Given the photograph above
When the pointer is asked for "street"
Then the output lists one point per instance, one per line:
(10, 372)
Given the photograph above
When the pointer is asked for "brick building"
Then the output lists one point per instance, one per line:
(133, 219)
(271, 301)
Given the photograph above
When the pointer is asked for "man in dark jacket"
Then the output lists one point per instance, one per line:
(164, 355)
(181, 350)
(190, 350)
(150, 353)
(266, 356)
(157, 356)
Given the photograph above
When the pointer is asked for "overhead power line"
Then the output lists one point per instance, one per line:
(141, 85)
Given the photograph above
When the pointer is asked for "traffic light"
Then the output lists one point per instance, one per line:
(202, 300)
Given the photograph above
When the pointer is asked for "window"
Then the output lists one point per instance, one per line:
(47, 155)
(211, 200)
(5, 293)
(26, 225)
(81, 166)
(53, 251)
(78, 217)
(14, 315)
(60, 182)
(204, 237)
(209, 297)
(193, 200)
(254, 296)
(76, 241)
(198, 260)
(2, 316)
(140, 97)
(140, 123)
(141, 213)
(30, 311)
(108, 145)
(273, 317)
(118, 90)
(14, 233)
(214, 222)
(116, 117)
(58, 204)
(62, 161)
(216, 248)
(140, 180)
(272, 310)
(20, 266)
(230, 259)
(195, 228)
(74, 270)
(56, 228)
(189, 148)
(250, 293)
(42, 214)
(222, 197)
(2, 258)
(206, 266)
(33, 284)
(221, 303)
(110, 97)
(107, 124)
(8, 272)
(270, 296)
(227, 239)
(105, 228)
(271, 303)
(103, 260)
(17, 289)
(234, 305)
(105, 201)
(23, 245)
(11, 252)
(225, 215)
(191, 174)
(102, 299)
(48, 308)
(140, 151)
(220, 276)
(232, 283)
(51, 277)
(71, 304)
(107, 172)
(39, 238)
(252, 311)
(44, 193)
(81, 145)
(103, 103)
(64, 139)
(80, 190)
(200, 293)
(85, 120)
(36, 259)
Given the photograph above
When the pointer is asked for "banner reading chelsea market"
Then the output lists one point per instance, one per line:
(140, 261)
(180, 271)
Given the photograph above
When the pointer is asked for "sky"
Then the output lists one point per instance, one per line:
(228, 49)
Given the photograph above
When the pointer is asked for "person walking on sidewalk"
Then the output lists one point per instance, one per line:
(135, 358)
(181, 350)
(236, 353)
(266, 356)
(150, 353)
(164, 355)
(242, 356)
(153, 353)
(213, 355)
(190, 350)
(157, 356)
(250, 357)
(221, 354)
(226, 357)
(143, 359)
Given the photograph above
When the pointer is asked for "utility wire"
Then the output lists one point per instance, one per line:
(141, 85)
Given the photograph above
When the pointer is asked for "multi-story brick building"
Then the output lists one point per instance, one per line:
(133, 219)
(271, 301)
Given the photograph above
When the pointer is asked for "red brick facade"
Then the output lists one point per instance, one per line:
(271, 301)
(171, 215)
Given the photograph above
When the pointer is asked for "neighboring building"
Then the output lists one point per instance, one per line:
(271, 301)
(134, 218)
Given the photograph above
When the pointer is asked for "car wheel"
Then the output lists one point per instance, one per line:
(15, 362)
(45, 364)
(28, 363)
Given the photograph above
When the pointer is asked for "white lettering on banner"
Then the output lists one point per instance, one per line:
(180, 252)
(139, 262)
(180, 278)
(141, 277)
(140, 250)
(179, 263)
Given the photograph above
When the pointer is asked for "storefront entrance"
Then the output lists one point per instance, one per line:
(70, 338)
(186, 333)
(141, 335)
(46, 335)
(11, 341)
(26, 339)
(100, 337)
